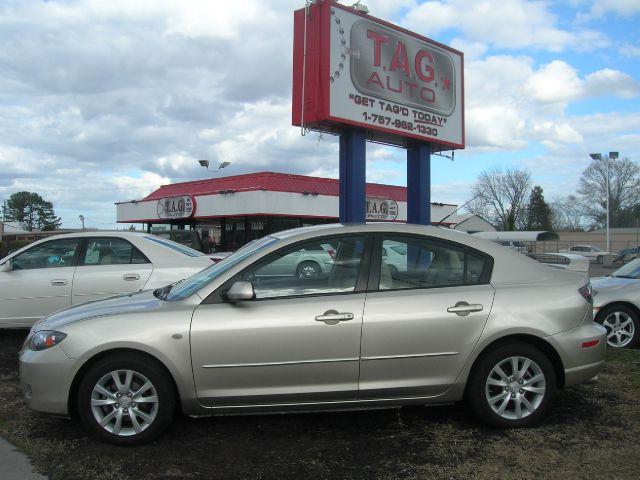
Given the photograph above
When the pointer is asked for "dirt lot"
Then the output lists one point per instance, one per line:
(594, 432)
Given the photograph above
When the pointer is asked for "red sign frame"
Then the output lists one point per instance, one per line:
(312, 72)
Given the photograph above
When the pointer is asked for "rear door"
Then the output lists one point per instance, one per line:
(422, 317)
(39, 282)
(109, 266)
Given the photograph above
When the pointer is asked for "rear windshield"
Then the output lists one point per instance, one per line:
(190, 252)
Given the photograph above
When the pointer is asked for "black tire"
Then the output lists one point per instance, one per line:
(476, 394)
(599, 259)
(141, 364)
(629, 312)
(306, 266)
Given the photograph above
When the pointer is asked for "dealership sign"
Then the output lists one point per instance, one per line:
(351, 69)
(183, 206)
(381, 209)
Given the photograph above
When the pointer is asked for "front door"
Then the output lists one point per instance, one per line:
(424, 320)
(39, 282)
(297, 341)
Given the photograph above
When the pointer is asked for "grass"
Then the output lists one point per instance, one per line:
(593, 432)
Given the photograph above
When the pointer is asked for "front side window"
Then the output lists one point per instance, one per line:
(318, 267)
(413, 262)
(51, 254)
(112, 251)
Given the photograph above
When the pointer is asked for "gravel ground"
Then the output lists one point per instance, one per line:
(593, 432)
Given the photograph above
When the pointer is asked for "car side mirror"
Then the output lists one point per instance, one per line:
(240, 291)
(6, 266)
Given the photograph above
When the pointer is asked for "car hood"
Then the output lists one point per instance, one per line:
(129, 303)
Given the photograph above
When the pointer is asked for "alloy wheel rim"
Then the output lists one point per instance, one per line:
(515, 387)
(620, 329)
(308, 271)
(124, 402)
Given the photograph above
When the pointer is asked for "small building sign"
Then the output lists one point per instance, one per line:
(381, 209)
(176, 207)
(356, 70)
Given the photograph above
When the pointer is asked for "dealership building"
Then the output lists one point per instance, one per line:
(236, 209)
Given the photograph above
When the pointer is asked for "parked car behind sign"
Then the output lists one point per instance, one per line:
(64, 270)
(616, 304)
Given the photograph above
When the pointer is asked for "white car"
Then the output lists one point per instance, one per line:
(64, 270)
(592, 253)
(563, 261)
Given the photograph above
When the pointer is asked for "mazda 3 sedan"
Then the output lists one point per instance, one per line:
(458, 318)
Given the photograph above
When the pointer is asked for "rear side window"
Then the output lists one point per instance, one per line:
(415, 262)
(112, 251)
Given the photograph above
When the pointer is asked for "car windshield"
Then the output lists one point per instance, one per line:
(186, 288)
(630, 270)
(190, 252)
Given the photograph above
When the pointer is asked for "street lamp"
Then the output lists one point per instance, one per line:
(598, 156)
(205, 164)
(81, 217)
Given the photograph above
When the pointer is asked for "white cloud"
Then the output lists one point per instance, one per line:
(504, 24)
(629, 50)
(625, 8)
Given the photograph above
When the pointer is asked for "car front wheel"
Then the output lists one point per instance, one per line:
(513, 385)
(126, 399)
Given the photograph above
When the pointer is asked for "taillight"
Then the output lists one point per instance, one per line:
(332, 254)
(586, 292)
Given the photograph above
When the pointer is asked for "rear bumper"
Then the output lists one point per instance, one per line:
(45, 378)
(581, 364)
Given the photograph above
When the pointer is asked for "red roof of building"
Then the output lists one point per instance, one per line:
(275, 182)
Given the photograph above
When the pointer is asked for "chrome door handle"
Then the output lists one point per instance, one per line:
(59, 282)
(131, 277)
(463, 308)
(332, 317)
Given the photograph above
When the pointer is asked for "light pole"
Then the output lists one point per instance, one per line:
(81, 217)
(598, 156)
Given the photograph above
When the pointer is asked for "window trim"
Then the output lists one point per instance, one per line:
(85, 244)
(218, 295)
(76, 256)
(376, 262)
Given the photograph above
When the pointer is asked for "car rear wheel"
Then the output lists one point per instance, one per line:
(308, 269)
(125, 399)
(622, 326)
(512, 385)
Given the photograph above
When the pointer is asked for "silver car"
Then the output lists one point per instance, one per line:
(64, 270)
(616, 304)
(461, 318)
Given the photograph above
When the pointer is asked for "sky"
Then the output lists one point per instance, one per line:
(104, 101)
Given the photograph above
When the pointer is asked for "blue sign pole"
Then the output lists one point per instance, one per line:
(353, 174)
(419, 184)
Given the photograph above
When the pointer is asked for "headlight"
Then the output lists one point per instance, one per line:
(45, 339)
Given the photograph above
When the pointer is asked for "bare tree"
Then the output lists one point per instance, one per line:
(567, 214)
(624, 190)
(501, 196)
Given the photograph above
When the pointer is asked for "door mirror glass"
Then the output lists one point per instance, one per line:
(240, 291)
(6, 266)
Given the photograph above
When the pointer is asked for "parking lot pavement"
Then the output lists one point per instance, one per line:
(15, 465)
(592, 432)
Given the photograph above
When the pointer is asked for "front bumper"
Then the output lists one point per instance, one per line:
(46, 377)
(581, 364)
